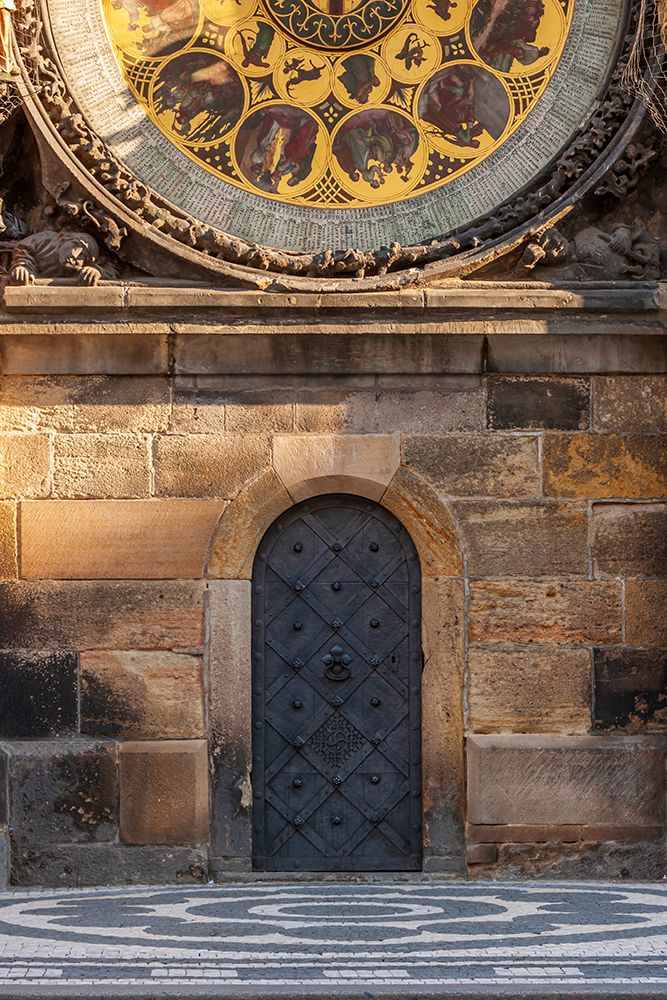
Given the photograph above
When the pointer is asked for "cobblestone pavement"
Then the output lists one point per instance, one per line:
(352, 939)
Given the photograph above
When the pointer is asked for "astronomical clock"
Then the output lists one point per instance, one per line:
(325, 138)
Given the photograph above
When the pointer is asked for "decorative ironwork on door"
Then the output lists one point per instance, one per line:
(337, 691)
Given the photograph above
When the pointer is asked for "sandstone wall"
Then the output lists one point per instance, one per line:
(112, 481)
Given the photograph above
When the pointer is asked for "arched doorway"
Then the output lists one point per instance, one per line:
(336, 652)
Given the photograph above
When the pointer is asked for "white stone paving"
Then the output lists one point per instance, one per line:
(334, 937)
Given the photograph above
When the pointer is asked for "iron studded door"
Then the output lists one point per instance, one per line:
(337, 691)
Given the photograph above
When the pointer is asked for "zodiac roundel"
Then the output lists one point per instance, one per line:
(338, 104)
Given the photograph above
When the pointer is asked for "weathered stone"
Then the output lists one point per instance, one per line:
(107, 864)
(576, 352)
(142, 695)
(515, 403)
(429, 522)
(8, 542)
(470, 464)
(4, 768)
(630, 539)
(101, 465)
(116, 539)
(62, 792)
(481, 854)
(84, 353)
(418, 411)
(243, 524)
(38, 694)
(214, 410)
(230, 712)
(581, 861)
(542, 833)
(645, 618)
(566, 779)
(25, 465)
(540, 611)
(86, 404)
(630, 404)
(443, 773)
(605, 465)
(164, 792)
(4, 860)
(630, 688)
(312, 464)
(92, 615)
(519, 690)
(336, 354)
(204, 465)
(524, 538)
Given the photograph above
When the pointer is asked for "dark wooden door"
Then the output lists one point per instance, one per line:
(337, 691)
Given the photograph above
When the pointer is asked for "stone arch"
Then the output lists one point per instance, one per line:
(313, 465)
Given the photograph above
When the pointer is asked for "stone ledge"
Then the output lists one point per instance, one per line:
(612, 296)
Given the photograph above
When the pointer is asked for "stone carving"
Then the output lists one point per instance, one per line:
(8, 68)
(625, 173)
(627, 252)
(84, 210)
(602, 139)
(49, 254)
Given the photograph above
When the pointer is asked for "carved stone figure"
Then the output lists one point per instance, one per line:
(8, 68)
(627, 252)
(49, 254)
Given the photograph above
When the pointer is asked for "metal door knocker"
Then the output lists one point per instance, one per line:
(337, 662)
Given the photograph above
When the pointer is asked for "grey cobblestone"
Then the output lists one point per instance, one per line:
(326, 938)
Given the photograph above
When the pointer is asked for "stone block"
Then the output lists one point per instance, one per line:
(545, 611)
(84, 353)
(562, 834)
(470, 465)
(116, 539)
(417, 411)
(25, 465)
(219, 408)
(4, 769)
(481, 854)
(630, 404)
(8, 542)
(324, 463)
(86, 404)
(62, 792)
(630, 688)
(523, 690)
(524, 538)
(523, 404)
(603, 862)
(428, 521)
(566, 779)
(443, 770)
(645, 613)
(142, 695)
(204, 465)
(243, 524)
(630, 539)
(101, 465)
(605, 465)
(107, 864)
(230, 711)
(164, 792)
(102, 615)
(367, 353)
(577, 353)
(38, 694)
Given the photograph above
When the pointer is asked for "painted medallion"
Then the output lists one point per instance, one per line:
(338, 103)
